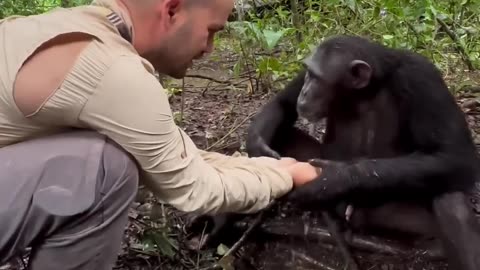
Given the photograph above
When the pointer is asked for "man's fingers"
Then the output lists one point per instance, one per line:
(287, 161)
(303, 173)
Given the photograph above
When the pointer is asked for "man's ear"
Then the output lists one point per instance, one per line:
(166, 12)
(170, 8)
(360, 74)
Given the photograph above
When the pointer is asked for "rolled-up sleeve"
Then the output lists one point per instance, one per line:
(131, 107)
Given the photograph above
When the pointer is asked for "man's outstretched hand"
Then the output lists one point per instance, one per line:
(301, 172)
(332, 185)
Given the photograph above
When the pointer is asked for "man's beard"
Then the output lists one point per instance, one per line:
(167, 64)
(177, 73)
(177, 70)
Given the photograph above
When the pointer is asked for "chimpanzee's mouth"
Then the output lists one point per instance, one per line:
(311, 117)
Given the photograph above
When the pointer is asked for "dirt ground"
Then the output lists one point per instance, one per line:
(216, 115)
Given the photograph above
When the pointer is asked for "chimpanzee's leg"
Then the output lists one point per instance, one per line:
(67, 197)
(402, 217)
(459, 230)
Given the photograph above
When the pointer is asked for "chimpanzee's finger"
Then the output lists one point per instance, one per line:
(316, 162)
(303, 194)
(267, 151)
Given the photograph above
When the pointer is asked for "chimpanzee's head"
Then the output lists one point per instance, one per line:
(332, 73)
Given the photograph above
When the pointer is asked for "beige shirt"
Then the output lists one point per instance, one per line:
(113, 90)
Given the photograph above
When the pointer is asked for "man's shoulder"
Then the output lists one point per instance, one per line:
(127, 65)
(128, 72)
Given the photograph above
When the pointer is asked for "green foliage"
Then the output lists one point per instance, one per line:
(410, 24)
(30, 7)
(251, 37)
(158, 241)
(446, 31)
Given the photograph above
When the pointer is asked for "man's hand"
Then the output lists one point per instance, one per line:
(301, 172)
(333, 183)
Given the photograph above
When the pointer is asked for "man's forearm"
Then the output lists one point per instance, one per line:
(215, 183)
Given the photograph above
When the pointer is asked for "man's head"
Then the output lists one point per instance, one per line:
(172, 33)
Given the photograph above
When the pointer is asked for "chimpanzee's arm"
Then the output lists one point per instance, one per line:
(414, 173)
(277, 114)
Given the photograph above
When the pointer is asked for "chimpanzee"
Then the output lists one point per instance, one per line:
(395, 139)
(394, 136)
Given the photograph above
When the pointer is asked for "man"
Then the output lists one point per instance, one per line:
(66, 194)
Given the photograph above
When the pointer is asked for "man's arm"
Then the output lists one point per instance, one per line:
(131, 107)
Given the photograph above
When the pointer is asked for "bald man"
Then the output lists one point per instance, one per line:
(83, 119)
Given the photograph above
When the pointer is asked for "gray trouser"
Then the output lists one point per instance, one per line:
(67, 197)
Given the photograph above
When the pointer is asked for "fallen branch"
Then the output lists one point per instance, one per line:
(198, 76)
(369, 244)
(205, 77)
(458, 45)
(230, 132)
(242, 239)
(227, 260)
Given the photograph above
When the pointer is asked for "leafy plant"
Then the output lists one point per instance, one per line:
(447, 32)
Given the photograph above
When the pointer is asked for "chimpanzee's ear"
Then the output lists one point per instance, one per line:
(361, 73)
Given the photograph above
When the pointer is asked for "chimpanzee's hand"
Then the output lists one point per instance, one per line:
(259, 147)
(327, 189)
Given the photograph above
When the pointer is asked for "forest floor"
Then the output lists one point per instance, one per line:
(216, 115)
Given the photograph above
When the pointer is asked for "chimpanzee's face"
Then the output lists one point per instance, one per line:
(323, 72)
(315, 97)
(330, 76)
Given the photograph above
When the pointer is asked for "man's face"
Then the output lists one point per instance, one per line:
(189, 35)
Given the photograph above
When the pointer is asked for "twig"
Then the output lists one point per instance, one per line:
(199, 76)
(242, 48)
(182, 103)
(225, 146)
(369, 244)
(242, 239)
(230, 132)
(458, 45)
(227, 259)
(229, 255)
(206, 89)
(462, 11)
